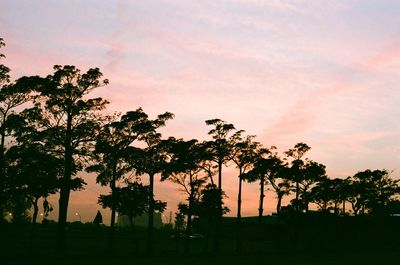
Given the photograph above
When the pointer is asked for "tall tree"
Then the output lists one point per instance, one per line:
(220, 148)
(296, 166)
(68, 121)
(244, 153)
(270, 168)
(311, 174)
(113, 144)
(11, 97)
(151, 160)
(185, 169)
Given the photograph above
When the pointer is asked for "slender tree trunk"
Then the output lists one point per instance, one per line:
(336, 208)
(279, 204)
(344, 207)
(189, 216)
(306, 201)
(34, 219)
(113, 211)
(211, 179)
(35, 212)
(219, 217)
(65, 187)
(261, 203)
(239, 214)
(188, 229)
(150, 228)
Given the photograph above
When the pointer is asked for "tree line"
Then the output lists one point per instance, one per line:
(51, 129)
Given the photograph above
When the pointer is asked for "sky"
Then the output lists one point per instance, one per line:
(321, 72)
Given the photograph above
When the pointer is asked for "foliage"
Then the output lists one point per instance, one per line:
(131, 200)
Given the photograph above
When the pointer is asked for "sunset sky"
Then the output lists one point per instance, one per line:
(322, 72)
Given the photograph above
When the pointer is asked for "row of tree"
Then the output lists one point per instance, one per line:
(51, 129)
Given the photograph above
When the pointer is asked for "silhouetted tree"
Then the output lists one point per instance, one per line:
(296, 166)
(269, 168)
(210, 209)
(220, 148)
(310, 175)
(35, 171)
(329, 193)
(11, 98)
(151, 160)
(371, 191)
(185, 169)
(68, 121)
(132, 201)
(179, 220)
(244, 153)
(113, 145)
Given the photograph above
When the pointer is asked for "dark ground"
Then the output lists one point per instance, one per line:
(87, 244)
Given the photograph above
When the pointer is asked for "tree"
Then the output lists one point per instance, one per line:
(210, 209)
(329, 193)
(151, 160)
(35, 171)
(220, 149)
(297, 163)
(269, 168)
(11, 98)
(311, 174)
(132, 201)
(244, 153)
(371, 191)
(179, 220)
(113, 144)
(68, 121)
(185, 169)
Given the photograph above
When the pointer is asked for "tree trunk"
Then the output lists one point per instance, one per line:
(344, 207)
(261, 204)
(336, 209)
(65, 187)
(189, 216)
(279, 204)
(113, 211)
(34, 218)
(188, 230)
(306, 201)
(219, 218)
(35, 211)
(150, 228)
(239, 214)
